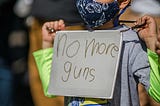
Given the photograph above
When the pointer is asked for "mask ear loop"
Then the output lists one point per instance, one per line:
(116, 20)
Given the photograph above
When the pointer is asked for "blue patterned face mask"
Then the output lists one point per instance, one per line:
(95, 13)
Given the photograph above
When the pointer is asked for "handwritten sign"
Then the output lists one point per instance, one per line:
(85, 63)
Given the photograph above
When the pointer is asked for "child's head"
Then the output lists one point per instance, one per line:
(97, 12)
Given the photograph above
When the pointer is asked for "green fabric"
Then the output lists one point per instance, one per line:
(43, 60)
(154, 90)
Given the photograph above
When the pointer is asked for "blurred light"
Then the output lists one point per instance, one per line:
(150, 7)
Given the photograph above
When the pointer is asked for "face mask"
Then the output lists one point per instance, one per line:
(95, 13)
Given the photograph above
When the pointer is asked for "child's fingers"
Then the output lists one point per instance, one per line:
(49, 29)
(139, 24)
(158, 52)
(45, 25)
(57, 25)
(159, 34)
(61, 25)
(143, 21)
(158, 43)
(139, 21)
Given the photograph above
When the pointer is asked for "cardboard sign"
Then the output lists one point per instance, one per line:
(85, 63)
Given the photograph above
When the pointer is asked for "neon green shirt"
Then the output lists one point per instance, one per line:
(154, 90)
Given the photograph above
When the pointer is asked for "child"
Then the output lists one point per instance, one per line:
(133, 67)
(149, 34)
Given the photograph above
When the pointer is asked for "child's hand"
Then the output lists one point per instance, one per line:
(158, 43)
(148, 31)
(47, 36)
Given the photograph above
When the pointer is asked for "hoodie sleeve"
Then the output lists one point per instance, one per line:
(43, 60)
(154, 89)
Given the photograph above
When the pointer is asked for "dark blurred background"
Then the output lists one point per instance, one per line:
(14, 44)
